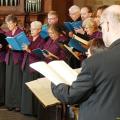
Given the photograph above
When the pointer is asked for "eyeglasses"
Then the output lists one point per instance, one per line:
(51, 18)
(72, 14)
(101, 23)
(90, 27)
(33, 29)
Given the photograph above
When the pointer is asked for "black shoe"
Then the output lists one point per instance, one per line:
(10, 108)
(1, 104)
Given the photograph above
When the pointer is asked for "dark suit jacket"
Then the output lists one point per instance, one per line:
(97, 88)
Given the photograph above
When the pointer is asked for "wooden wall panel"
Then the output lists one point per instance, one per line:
(61, 6)
(95, 3)
(5, 10)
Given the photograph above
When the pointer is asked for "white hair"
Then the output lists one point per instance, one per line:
(36, 24)
(111, 16)
(112, 13)
(74, 9)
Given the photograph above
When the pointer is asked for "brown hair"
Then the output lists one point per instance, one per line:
(89, 8)
(52, 12)
(103, 7)
(12, 18)
(57, 28)
(96, 46)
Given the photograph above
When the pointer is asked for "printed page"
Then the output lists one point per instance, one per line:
(78, 70)
(49, 72)
(41, 88)
(64, 70)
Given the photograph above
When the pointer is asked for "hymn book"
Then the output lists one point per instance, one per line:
(56, 71)
(73, 25)
(44, 32)
(41, 88)
(18, 41)
(70, 49)
(77, 45)
(85, 42)
(40, 52)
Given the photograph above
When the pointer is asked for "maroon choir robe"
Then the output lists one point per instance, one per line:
(38, 43)
(17, 55)
(3, 42)
(13, 88)
(55, 48)
(95, 35)
(29, 102)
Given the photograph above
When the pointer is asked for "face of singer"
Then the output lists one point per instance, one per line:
(97, 18)
(52, 19)
(53, 34)
(90, 26)
(85, 13)
(11, 25)
(89, 30)
(74, 15)
(35, 31)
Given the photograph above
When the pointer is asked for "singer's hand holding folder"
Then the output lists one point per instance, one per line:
(73, 25)
(18, 41)
(38, 51)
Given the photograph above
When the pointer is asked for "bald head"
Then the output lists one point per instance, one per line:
(110, 23)
(112, 13)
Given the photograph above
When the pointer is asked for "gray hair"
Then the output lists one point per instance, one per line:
(37, 24)
(74, 9)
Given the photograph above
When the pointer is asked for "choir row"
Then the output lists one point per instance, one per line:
(14, 64)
